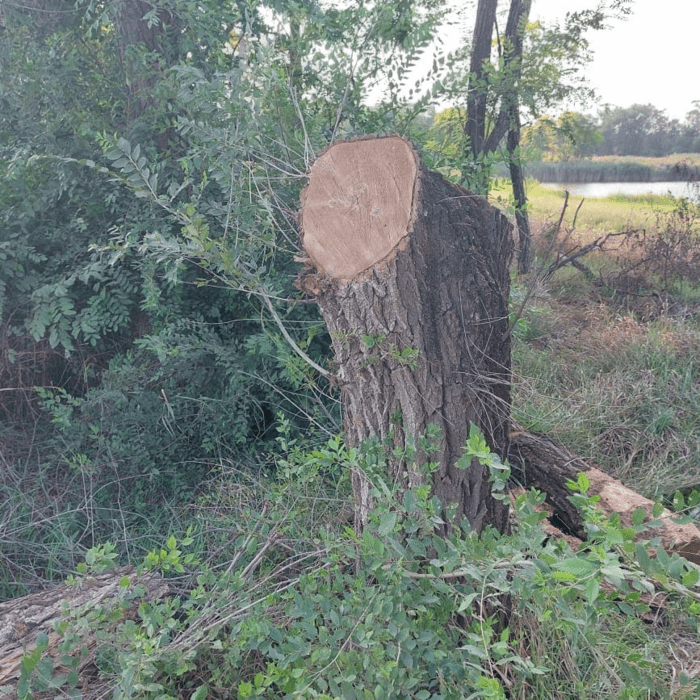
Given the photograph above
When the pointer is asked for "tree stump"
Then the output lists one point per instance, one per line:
(411, 274)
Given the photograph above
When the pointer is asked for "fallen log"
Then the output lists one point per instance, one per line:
(548, 466)
(23, 620)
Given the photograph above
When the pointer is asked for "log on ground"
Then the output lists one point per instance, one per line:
(548, 467)
(23, 619)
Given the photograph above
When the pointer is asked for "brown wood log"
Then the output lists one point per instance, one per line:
(23, 619)
(547, 466)
(411, 274)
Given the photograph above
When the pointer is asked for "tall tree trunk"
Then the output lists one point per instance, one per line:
(411, 276)
(474, 172)
(517, 18)
(518, 184)
(146, 48)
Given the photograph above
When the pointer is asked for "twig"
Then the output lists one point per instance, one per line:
(288, 337)
(572, 257)
(531, 287)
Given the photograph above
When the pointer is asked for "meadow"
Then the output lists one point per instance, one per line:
(607, 362)
(611, 213)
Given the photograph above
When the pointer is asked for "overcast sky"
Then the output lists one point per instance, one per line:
(650, 58)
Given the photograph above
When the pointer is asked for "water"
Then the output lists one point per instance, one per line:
(605, 189)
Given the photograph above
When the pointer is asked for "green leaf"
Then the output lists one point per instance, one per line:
(678, 501)
(387, 523)
(639, 516)
(200, 693)
(592, 590)
(579, 568)
(613, 571)
(583, 482)
(691, 578)
(643, 558)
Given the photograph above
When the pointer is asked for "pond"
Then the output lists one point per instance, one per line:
(605, 189)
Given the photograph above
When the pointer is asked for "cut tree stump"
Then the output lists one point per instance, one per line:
(411, 274)
(23, 619)
(548, 466)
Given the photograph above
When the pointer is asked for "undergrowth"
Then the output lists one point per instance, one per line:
(605, 356)
(298, 606)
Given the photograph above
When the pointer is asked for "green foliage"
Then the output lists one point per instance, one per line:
(395, 612)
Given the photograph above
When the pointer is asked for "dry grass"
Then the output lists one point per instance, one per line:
(614, 376)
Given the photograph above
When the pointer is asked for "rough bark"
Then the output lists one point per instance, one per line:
(411, 276)
(23, 619)
(548, 466)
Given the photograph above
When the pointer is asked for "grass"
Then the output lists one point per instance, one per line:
(613, 213)
(623, 394)
(613, 374)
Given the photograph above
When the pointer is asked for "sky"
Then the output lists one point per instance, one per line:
(650, 58)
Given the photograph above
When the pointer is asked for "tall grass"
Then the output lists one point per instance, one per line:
(614, 373)
(613, 169)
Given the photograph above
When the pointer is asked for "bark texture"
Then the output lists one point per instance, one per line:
(23, 619)
(411, 275)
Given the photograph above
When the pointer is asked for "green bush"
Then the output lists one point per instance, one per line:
(397, 612)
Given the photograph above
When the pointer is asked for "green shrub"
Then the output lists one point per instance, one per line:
(400, 612)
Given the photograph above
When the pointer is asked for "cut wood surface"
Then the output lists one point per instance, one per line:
(548, 466)
(411, 274)
(23, 619)
(358, 204)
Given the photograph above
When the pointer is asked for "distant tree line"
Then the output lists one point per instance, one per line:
(638, 130)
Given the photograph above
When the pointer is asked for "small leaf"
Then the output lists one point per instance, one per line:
(592, 590)
(691, 578)
(583, 482)
(200, 693)
(579, 568)
(638, 517)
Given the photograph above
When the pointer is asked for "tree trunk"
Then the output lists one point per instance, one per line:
(474, 172)
(520, 198)
(519, 12)
(476, 169)
(411, 276)
(146, 49)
